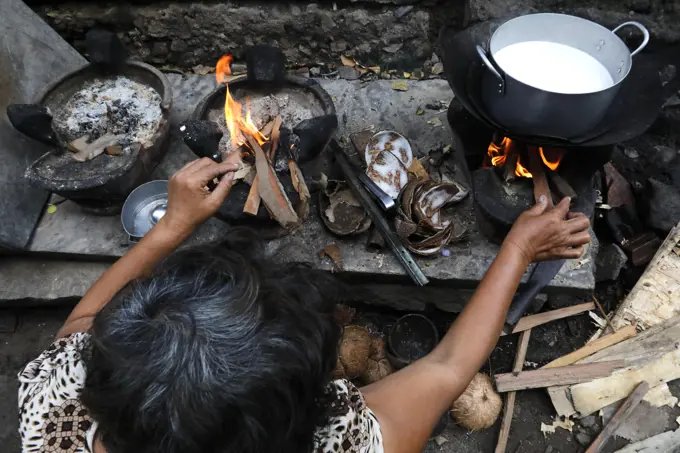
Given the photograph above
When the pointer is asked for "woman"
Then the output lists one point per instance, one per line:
(214, 350)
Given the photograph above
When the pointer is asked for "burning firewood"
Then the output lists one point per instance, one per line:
(541, 187)
(270, 189)
(252, 204)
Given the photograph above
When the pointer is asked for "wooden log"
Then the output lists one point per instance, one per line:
(656, 296)
(511, 163)
(531, 321)
(572, 374)
(509, 409)
(619, 418)
(537, 170)
(591, 348)
(561, 185)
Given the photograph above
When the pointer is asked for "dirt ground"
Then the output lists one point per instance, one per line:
(35, 328)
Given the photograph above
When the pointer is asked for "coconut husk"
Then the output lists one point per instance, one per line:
(376, 370)
(355, 349)
(479, 406)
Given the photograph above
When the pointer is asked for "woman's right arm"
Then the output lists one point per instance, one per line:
(409, 403)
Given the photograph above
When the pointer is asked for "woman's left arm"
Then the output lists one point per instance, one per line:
(189, 205)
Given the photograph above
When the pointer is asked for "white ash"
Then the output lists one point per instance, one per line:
(116, 105)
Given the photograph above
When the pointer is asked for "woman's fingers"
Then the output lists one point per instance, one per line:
(202, 163)
(577, 223)
(573, 253)
(562, 208)
(220, 192)
(207, 173)
(577, 239)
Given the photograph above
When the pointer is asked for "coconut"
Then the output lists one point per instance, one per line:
(376, 370)
(479, 405)
(355, 349)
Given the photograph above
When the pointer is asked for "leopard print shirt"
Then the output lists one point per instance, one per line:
(52, 419)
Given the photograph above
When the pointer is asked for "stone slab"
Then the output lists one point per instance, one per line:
(26, 281)
(70, 231)
(31, 56)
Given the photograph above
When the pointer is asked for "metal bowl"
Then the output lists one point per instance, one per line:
(145, 206)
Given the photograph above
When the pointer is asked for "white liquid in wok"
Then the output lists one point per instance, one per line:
(553, 67)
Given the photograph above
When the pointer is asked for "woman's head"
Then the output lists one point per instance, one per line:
(217, 351)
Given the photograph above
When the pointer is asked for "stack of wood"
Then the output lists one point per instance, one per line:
(265, 184)
(619, 363)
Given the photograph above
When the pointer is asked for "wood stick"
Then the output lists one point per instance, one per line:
(561, 185)
(572, 374)
(540, 180)
(604, 314)
(511, 163)
(531, 321)
(252, 204)
(509, 409)
(619, 418)
(593, 347)
(270, 189)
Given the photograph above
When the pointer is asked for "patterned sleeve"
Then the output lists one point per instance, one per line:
(352, 426)
(51, 416)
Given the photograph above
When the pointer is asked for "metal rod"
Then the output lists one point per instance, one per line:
(378, 217)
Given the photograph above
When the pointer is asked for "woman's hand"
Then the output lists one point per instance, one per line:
(190, 203)
(546, 234)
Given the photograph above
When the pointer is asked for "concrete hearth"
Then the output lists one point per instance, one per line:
(70, 232)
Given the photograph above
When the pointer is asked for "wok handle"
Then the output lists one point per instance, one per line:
(492, 68)
(639, 26)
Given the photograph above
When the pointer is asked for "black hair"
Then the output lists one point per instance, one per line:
(217, 351)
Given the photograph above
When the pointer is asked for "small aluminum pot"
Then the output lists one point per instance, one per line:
(527, 110)
(143, 208)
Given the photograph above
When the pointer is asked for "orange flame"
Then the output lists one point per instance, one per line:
(237, 124)
(555, 154)
(498, 155)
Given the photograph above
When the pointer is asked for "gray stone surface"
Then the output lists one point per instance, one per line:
(610, 260)
(359, 105)
(31, 56)
(28, 281)
(185, 34)
(663, 203)
(659, 17)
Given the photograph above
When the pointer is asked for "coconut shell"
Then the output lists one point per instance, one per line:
(376, 370)
(355, 350)
(377, 348)
(479, 406)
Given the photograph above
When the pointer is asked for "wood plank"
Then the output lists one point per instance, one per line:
(531, 321)
(667, 442)
(619, 418)
(656, 296)
(571, 374)
(509, 409)
(643, 348)
(589, 397)
(591, 348)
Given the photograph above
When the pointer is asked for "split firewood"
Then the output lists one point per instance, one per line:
(273, 131)
(270, 189)
(536, 168)
(301, 188)
(87, 151)
(561, 185)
